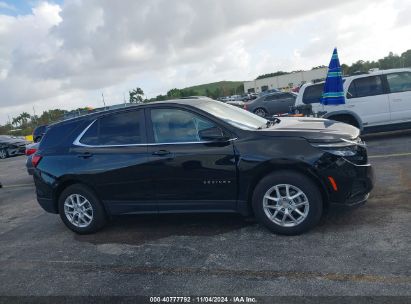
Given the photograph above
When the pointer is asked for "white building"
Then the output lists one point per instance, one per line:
(284, 82)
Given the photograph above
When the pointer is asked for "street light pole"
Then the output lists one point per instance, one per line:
(102, 95)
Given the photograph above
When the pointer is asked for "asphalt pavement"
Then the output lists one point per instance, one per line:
(363, 251)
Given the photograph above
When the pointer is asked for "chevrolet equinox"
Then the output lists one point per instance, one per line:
(199, 155)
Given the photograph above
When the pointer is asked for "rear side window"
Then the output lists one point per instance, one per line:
(124, 128)
(366, 86)
(399, 82)
(271, 97)
(313, 94)
(287, 95)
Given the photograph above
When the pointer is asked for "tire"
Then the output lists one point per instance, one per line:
(309, 203)
(260, 112)
(92, 208)
(3, 154)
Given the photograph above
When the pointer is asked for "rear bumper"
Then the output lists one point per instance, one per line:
(44, 191)
(29, 165)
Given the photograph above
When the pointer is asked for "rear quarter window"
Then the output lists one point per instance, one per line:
(59, 134)
(313, 93)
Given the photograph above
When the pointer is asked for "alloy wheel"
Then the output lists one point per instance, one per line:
(78, 210)
(286, 205)
(3, 154)
(260, 112)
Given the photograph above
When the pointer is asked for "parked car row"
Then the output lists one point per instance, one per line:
(375, 101)
(11, 146)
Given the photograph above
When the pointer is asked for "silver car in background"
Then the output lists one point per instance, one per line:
(271, 104)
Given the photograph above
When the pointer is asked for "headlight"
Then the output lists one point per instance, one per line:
(348, 151)
(342, 148)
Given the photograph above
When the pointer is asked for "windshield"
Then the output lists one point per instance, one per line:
(233, 115)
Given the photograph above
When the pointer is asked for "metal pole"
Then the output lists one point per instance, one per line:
(103, 101)
(34, 113)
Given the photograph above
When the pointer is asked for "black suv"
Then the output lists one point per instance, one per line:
(199, 156)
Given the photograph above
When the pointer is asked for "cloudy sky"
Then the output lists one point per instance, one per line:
(65, 54)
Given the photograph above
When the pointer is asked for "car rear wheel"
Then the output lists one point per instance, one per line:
(3, 153)
(260, 112)
(80, 210)
(287, 203)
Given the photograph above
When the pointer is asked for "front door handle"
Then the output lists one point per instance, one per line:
(161, 153)
(85, 155)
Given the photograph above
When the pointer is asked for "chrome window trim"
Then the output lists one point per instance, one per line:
(77, 142)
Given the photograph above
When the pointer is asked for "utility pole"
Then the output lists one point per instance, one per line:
(34, 113)
(102, 95)
(124, 99)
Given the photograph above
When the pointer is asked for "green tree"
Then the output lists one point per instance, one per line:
(174, 93)
(406, 59)
(136, 95)
(25, 117)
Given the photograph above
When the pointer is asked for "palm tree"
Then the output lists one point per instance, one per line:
(136, 95)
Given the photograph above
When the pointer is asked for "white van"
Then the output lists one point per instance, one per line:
(376, 101)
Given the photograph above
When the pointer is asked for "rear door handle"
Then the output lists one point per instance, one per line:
(161, 153)
(85, 155)
(397, 100)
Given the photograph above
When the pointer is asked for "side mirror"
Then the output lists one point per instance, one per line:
(213, 134)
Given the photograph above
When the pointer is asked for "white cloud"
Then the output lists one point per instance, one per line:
(65, 56)
(6, 6)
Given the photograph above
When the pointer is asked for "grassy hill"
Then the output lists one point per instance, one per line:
(221, 88)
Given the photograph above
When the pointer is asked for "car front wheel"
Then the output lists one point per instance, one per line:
(287, 203)
(80, 209)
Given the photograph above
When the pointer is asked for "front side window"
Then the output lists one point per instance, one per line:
(399, 82)
(177, 126)
(115, 129)
(366, 86)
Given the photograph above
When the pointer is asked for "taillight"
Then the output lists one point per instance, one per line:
(30, 151)
(35, 160)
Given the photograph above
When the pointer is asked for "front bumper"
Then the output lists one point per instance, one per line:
(353, 182)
